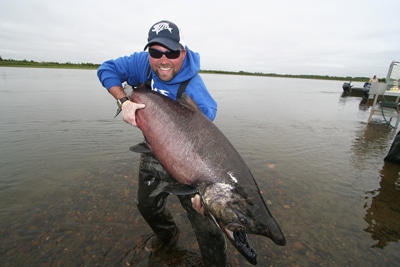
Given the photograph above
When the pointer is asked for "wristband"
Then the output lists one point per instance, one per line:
(121, 101)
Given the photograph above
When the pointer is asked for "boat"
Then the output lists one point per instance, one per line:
(350, 90)
(393, 76)
(392, 81)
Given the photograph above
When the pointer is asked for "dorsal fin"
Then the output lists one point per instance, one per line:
(186, 101)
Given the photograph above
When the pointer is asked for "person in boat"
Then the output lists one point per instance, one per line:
(367, 85)
(373, 80)
(163, 67)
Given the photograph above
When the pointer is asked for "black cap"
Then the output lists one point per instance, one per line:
(165, 33)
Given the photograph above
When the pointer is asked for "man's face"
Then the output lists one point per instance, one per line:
(165, 68)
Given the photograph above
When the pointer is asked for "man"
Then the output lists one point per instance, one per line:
(168, 67)
(373, 80)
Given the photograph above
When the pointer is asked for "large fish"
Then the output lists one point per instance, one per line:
(202, 160)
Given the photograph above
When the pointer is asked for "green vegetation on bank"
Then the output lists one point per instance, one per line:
(34, 64)
(68, 65)
(302, 76)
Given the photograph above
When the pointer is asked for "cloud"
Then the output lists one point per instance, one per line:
(338, 38)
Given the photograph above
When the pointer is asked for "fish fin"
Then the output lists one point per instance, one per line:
(141, 148)
(159, 189)
(181, 189)
(188, 102)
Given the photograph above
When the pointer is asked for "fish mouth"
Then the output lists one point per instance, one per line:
(241, 242)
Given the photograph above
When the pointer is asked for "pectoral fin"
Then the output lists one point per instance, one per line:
(181, 189)
(141, 148)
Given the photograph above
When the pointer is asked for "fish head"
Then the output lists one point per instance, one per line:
(238, 211)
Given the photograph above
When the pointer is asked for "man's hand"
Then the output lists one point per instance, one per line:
(129, 111)
(196, 204)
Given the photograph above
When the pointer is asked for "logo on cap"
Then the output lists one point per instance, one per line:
(160, 27)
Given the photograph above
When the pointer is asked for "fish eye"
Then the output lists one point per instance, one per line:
(241, 217)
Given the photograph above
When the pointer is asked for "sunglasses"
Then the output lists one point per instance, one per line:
(154, 53)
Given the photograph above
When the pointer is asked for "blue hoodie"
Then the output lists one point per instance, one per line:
(133, 70)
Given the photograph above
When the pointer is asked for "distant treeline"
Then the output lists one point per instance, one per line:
(68, 65)
(34, 64)
(300, 76)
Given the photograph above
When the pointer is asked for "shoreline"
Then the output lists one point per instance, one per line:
(92, 66)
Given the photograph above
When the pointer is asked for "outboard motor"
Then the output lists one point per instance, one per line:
(365, 91)
(346, 87)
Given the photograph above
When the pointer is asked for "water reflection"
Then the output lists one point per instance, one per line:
(364, 104)
(371, 142)
(382, 205)
(383, 208)
(68, 189)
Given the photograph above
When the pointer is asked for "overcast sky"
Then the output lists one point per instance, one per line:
(323, 37)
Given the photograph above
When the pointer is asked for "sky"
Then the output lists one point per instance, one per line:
(357, 38)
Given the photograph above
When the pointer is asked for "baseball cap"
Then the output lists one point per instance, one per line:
(165, 33)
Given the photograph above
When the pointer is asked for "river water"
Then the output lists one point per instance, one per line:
(68, 181)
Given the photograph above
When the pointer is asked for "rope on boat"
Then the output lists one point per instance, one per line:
(383, 115)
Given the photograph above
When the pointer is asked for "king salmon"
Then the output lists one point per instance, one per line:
(203, 161)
